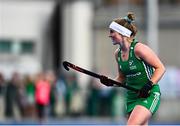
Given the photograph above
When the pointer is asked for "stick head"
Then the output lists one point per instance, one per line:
(65, 64)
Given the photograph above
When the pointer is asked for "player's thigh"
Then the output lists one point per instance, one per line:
(140, 115)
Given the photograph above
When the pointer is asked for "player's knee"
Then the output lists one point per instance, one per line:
(136, 122)
(131, 122)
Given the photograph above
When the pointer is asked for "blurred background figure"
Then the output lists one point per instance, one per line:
(42, 96)
(92, 103)
(29, 83)
(51, 78)
(61, 92)
(2, 93)
(72, 89)
(11, 97)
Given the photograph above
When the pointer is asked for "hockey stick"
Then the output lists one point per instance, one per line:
(68, 65)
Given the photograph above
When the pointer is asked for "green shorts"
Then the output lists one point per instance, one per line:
(151, 103)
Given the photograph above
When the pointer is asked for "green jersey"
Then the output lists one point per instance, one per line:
(136, 71)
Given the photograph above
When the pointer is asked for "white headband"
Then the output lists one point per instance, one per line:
(120, 29)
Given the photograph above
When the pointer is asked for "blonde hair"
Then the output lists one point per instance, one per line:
(128, 22)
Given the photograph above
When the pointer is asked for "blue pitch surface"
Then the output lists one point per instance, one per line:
(78, 121)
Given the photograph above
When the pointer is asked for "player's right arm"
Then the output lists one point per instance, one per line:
(120, 77)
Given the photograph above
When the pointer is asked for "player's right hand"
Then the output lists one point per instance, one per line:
(104, 80)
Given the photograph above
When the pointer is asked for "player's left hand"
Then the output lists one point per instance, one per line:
(145, 90)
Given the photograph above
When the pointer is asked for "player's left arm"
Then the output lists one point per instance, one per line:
(142, 51)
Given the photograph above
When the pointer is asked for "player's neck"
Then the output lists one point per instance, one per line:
(125, 46)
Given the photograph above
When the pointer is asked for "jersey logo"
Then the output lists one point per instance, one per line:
(131, 66)
(130, 62)
(145, 101)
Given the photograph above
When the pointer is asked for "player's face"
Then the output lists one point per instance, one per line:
(115, 37)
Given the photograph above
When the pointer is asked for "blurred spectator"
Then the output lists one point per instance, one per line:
(77, 103)
(2, 84)
(92, 106)
(2, 91)
(30, 93)
(118, 103)
(11, 95)
(42, 96)
(61, 91)
(21, 98)
(71, 88)
(105, 101)
(51, 78)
